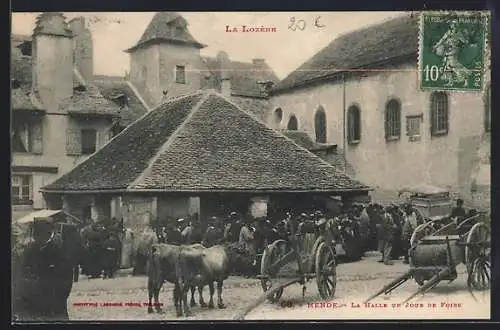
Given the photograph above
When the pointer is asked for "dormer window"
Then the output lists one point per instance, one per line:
(180, 74)
(178, 31)
(121, 100)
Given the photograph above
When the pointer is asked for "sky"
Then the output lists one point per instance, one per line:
(284, 50)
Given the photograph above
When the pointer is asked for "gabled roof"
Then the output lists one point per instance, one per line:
(244, 77)
(112, 88)
(202, 142)
(163, 27)
(372, 45)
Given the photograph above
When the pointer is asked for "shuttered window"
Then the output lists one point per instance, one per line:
(73, 142)
(89, 141)
(439, 113)
(393, 120)
(27, 136)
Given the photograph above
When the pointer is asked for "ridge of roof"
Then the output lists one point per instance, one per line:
(355, 49)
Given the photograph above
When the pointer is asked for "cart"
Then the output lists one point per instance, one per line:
(435, 253)
(430, 202)
(300, 259)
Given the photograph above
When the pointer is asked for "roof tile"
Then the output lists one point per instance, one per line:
(216, 146)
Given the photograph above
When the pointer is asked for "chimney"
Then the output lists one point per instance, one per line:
(52, 59)
(83, 48)
(224, 65)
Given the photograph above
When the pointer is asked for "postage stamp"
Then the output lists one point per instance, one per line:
(452, 50)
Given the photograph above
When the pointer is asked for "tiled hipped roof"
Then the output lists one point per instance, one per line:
(373, 45)
(203, 142)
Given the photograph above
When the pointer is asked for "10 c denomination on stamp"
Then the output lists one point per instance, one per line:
(452, 50)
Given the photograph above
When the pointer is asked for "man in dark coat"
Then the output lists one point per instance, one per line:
(174, 234)
(235, 224)
(458, 211)
(214, 234)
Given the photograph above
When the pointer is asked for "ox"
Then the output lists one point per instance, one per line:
(200, 266)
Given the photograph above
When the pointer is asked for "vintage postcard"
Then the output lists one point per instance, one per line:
(173, 166)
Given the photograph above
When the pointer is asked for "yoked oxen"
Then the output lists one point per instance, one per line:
(44, 268)
(164, 265)
(200, 266)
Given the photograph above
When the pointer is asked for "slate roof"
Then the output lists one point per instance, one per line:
(112, 87)
(203, 142)
(244, 77)
(89, 102)
(364, 48)
(163, 28)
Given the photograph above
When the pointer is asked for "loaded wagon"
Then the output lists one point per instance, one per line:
(431, 202)
(436, 252)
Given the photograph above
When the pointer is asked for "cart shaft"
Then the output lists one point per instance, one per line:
(393, 285)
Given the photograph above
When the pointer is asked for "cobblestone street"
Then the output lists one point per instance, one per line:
(355, 282)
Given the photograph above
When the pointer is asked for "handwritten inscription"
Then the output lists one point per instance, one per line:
(300, 25)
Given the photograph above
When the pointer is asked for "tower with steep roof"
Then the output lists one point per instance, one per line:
(166, 60)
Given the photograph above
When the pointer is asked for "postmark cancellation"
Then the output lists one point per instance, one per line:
(452, 50)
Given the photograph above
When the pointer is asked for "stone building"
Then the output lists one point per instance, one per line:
(201, 154)
(58, 116)
(361, 93)
(166, 62)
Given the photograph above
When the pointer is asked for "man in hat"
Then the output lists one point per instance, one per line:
(235, 224)
(388, 235)
(458, 213)
(409, 225)
(214, 234)
(193, 233)
(174, 233)
(247, 240)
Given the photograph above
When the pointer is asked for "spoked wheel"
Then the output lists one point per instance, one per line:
(326, 271)
(271, 254)
(477, 257)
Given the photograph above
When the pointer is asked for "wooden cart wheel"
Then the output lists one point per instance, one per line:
(326, 271)
(477, 257)
(272, 253)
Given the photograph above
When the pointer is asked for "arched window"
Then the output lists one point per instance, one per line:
(439, 113)
(353, 124)
(278, 116)
(320, 125)
(393, 120)
(293, 125)
(487, 109)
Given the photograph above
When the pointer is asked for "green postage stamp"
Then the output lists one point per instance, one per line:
(452, 50)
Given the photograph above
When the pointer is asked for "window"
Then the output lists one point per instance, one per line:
(487, 109)
(180, 74)
(21, 137)
(89, 141)
(320, 125)
(413, 127)
(278, 116)
(392, 120)
(353, 124)
(21, 189)
(439, 113)
(293, 125)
